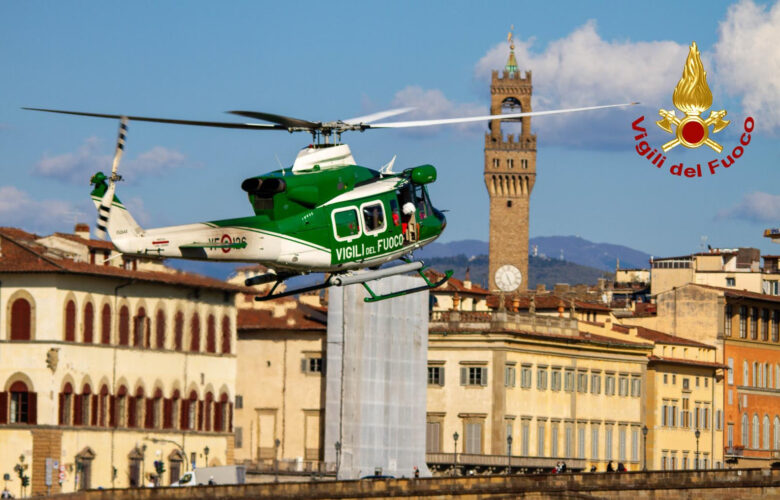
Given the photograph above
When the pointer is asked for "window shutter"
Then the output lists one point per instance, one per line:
(32, 408)
(303, 365)
(61, 411)
(463, 375)
(200, 415)
(77, 409)
(441, 376)
(484, 376)
(184, 411)
(167, 413)
(230, 417)
(3, 407)
(149, 414)
(112, 411)
(94, 408)
(514, 376)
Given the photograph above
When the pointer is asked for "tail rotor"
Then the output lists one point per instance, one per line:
(104, 210)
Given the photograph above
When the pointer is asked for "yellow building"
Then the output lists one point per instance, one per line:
(738, 269)
(281, 385)
(107, 366)
(557, 392)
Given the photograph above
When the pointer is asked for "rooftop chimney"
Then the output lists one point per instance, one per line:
(82, 230)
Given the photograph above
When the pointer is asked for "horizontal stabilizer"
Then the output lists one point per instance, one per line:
(238, 244)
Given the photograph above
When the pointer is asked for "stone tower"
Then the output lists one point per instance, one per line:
(510, 171)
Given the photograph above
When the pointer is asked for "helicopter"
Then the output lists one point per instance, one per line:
(324, 214)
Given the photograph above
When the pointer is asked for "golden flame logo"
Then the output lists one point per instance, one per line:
(692, 96)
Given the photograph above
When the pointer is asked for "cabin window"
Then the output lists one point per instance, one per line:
(396, 212)
(422, 202)
(345, 224)
(373, 218)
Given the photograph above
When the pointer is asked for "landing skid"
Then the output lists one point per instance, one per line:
(363, 277)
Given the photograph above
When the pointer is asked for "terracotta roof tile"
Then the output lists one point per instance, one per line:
(263, 319)
(679, 361)
(105, 245)
(730, 292)
(453, 284)
(665, 338)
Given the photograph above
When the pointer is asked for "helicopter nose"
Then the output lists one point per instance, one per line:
(440, 215)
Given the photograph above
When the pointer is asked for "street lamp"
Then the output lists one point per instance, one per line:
(455, 449)
(206, 452)
(337, 445)
(509, 454)
(697, 434)
(180, 447)
(143, 466)
(644, 438)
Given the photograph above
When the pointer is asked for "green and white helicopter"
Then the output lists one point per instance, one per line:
(324, 214)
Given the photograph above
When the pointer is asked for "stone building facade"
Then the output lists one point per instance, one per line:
(107, 365)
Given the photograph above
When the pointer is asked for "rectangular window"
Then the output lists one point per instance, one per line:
(510, 163)
(540, 439)
(665, 415)
(581, 442)
(731, 282)
(541, 378)
(609, 385)
(730, 435)
(474, 438)
(373, 218)
(568, 441)
(436, 375)
(608, 443)
(525, 377)
(473, 375)
(496, 162)
(686, 384)
(745, 370)
(346, 224)
(525, 430)
(595, 383)
(764, 324)
(433, 437)
(554, 439)
(509, 376)
(582, 382)
(594, 442)
(742, 322)
(622, 443)
(636, 387)
(568, 381)
(754, 323)
(775, 325)
(686, 414)
(727, 320)
(718, 421)
(634, 445)
(311, 364)
(730, 371)
(239, 437)
(555, 380)
(623, 385)
(730, 397)
(239, 402)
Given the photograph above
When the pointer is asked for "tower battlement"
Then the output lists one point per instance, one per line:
(511, 142)
(514, 76)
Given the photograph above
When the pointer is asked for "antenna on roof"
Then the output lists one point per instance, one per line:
(704, 246)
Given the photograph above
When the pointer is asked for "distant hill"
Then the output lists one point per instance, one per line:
(540, 269)
(574, 249)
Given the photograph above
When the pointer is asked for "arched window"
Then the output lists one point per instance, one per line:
(21, 319)
(154, 410)
(89, 323)
(118, 412)
(170, 410)
(756, 431)
(189, 410)
(140, 328)
(103, 404)
(226, 335)
(766, 432)
(178, 331)
(81, 407)
(18, 405)
(135, 409)
(66, 405)
(221, 414)
(70, 321)
(105, 325)
(745, 431)
(160, 329)
(211, 334)
(124, 326)
(776, 444)
(195, 333)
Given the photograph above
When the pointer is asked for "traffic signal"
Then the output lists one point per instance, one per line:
(159, 467)
(25, 481)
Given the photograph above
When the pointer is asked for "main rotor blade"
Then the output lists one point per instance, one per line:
(447, 121)
(285, 121)
(250, 126)
(377, 116)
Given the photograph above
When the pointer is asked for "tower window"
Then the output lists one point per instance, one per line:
(509, 204)
(496, 162)
(524, 164)
(510, 163)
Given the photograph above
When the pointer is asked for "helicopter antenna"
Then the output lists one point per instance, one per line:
(388, 167)
(279, 162)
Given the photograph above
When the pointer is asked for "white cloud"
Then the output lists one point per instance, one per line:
(431, 104)
(755, 207)
(91, 156)
(19, 209)
(747, 55)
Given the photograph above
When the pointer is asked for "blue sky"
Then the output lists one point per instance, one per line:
(195, 60)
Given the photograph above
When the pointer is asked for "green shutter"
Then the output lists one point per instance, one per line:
(463, 375)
